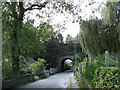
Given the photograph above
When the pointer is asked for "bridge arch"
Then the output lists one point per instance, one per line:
(62, 61)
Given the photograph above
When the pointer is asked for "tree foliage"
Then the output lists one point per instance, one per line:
(96, 36)
(52, 50)
(38, 67)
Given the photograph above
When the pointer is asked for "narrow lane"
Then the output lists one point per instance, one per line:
(60, 80)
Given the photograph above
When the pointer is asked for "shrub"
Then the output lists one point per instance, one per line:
(89, 68)
(99, 61)
(6, 69)
(38, 67)
(107, 77)
(113, 63)
(23, 64)
(83, 67)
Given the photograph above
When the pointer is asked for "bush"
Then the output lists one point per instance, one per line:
(38, 67)
(113, 63)
(99, 62)
(6, 69)
(89, 72)
(107, 77)
(83, 67)
(89, 68)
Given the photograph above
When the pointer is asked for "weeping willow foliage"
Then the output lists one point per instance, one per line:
(111, 15)
(90, 37)
(97, 36)
(110, 12)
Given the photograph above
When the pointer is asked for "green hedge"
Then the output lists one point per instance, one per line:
(107, 77)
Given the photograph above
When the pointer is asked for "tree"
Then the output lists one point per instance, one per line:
(96, 36)
(45, 32)
(16, 11)
(52, 51)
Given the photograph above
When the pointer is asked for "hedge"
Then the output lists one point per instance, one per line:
(107, 77)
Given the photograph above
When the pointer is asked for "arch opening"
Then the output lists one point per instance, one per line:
(66, 64)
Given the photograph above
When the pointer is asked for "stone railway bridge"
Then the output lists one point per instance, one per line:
(66, 52)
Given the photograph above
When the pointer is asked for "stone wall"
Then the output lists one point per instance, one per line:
(16, 81)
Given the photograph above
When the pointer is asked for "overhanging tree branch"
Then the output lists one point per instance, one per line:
(36, 5)
(32, 7)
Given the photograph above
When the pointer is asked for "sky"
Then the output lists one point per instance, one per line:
(71, 28)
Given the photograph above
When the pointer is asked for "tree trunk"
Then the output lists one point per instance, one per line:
(18, 18)
(15, 49)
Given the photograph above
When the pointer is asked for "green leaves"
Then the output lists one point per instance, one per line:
(38, 67)
(29, 42)
(6, 68)
(110, 13)
(107, 77)
(101, 76)
(99, 35)
(45, 32)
